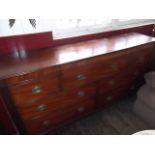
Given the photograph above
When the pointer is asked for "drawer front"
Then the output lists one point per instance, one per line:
(82, 73)
(53, 71)
(59, 117)
(137, 83)
(140, 59)
(111, 96)
(33, 90)
(123, 80)
(53, 103)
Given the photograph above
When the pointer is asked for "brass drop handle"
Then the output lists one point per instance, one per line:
(46, 123)
(114, 66)
(81, 93)
(81, 109)
(42, 107)
(111, 82)
(81, 77)
(109, 98)
(36, 89)
(136, 73)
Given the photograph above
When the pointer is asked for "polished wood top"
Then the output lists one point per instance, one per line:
(22, 62)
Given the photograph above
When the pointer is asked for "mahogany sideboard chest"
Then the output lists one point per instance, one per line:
(47, 88)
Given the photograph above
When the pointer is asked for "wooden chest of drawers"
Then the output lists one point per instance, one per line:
(62, 89)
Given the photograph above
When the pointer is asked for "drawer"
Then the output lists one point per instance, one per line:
(84, 72)
(140, 59)
(112, 96)
(53, 71)
(28, 92)
(58, 118)
(137, 83)
(59, 101)
(123, 80)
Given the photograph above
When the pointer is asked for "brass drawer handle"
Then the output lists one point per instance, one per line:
(136, 73)
(114, 66)
(42, 107)
(111, 82)
(81, 93)
(81, 109)
(109, 98)
(46, 123)
(81, 77)
(36, 89)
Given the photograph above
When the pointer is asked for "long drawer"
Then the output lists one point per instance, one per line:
(84, 72)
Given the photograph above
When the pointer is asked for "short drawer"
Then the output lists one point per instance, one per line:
(140, 59)
(53, 71)
(55, 102)
(28, 92)
(136, 85)
(58, 118)
(123, 80)
(84, 72)
(111, 96)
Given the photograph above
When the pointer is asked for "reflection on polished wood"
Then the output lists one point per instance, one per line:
(23, 61)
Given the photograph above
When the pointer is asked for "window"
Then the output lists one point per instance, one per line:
(79, 27)
(63, 28)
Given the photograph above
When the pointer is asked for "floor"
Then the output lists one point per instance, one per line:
(118, 119)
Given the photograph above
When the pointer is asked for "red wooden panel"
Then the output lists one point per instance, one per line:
(33, 41)
(28, 42)
(2, 45)
(10, 44)
(6, 124)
